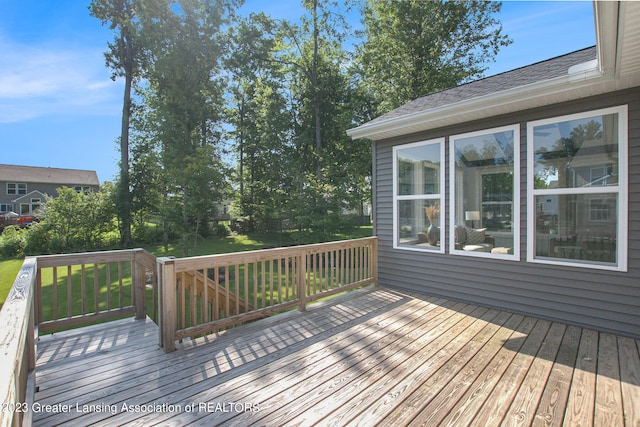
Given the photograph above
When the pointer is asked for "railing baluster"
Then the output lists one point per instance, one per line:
(216, 293)
(236, 284)
(69, 293)
(263, 281)
(55, 293)
(205, 297)
(246, 287)
(96, 292)
(255, 285)
(271, 277)
(227, 291)
(131, 274)
(83, 288)
(192, 299)
(107, 269)
(280, 260)
(120, 291)
(289, 274)
(183, 304)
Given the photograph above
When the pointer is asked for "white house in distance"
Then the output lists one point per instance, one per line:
(521, 191)
(23, 188)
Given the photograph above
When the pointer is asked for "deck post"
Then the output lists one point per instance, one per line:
(374, 261)
(302, 282)
(167, 301)
(139, 286)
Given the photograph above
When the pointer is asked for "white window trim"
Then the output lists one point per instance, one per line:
(621, 190)
(17, 187)
(515, 226)
(439, 196)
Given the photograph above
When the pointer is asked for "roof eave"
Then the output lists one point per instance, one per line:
(597, 79)
(533, 95)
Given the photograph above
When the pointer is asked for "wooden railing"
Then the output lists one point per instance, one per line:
(201, 295)
(190, 297)
(80, 288)
(94, 286)
(17, 348)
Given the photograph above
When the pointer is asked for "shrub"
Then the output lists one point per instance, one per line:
(37, 239)
(222, 230)
(146, 233)
(11, 242)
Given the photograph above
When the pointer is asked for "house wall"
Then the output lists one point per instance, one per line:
(44, 188)
(601, 299)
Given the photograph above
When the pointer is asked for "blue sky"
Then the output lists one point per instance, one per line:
(60, 108)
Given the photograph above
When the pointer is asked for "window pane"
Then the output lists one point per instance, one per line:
(577, 227)
(484, 191)
(419, 223)
(497, 201)
(419, 170)
(577, 153)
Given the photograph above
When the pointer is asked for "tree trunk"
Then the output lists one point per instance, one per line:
(125, 195)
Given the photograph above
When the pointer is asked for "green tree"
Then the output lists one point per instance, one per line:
(146, 174)
(78, 220)
(184, 102)
(261, 121)
(320, 91)
(126, 58)
(413, 48)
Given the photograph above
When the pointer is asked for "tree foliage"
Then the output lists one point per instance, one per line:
(413, 48)
(259, 108)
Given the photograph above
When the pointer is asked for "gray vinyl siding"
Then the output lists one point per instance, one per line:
(601, 299)
(45, 188)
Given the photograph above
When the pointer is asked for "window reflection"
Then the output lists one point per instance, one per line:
(577, 153)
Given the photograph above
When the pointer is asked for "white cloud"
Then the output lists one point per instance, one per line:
(38, 81)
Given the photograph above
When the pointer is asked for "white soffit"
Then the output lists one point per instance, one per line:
(617, 67)
(628, 52)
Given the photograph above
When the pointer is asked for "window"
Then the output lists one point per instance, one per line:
(82, 188)
(418, 191)
(6, 207)
(15, 188)
(578, 189)
(485, 189)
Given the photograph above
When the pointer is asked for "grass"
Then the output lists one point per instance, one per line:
(8, 271)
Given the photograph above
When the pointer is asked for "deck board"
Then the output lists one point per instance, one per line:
(374, 356)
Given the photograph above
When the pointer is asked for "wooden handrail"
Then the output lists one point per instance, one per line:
(17, 347)
(131, 266)
(255, 284)
(229, 288)
(22, 316)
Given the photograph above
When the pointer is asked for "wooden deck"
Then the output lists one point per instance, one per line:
(376, 356)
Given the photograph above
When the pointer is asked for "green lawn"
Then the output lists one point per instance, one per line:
(8, 271)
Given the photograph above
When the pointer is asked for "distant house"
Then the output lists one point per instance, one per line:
(521, 191)
(24, 188)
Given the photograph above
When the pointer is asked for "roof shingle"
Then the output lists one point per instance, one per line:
(13, 173)
(538, 72)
